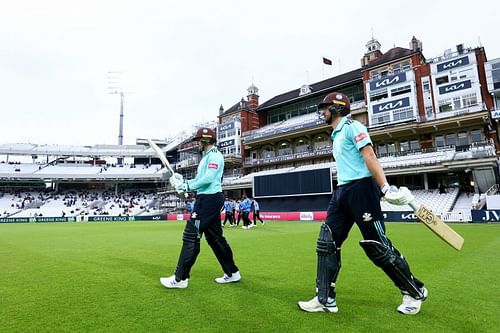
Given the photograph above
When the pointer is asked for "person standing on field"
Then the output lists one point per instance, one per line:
(256, 212)
(361, 184)
(228, 208)
(205, 217)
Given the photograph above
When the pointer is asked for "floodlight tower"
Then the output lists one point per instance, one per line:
(115, 88)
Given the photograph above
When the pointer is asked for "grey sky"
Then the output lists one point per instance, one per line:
(180, 60)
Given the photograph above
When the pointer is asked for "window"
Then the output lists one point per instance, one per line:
(469, 100)
(391, 148)
(401, 90)
(284, 149)
(403, 114)
(301, 145)
(441, 80)
(404, 146)
(456, 103)
(495, 72)
(451, 139)
(378, 94)
(382, 149)
(414, 144)
(445, 105)
(475, 135)
(381, 118)
(426, 86)
(321, 141)
(267, 152)
(406, 65)
(462, 139)
(439, 141)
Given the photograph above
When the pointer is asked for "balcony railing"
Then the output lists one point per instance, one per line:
(290, 157)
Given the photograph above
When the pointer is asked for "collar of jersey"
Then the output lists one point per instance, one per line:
(340, 124)
(210, 150)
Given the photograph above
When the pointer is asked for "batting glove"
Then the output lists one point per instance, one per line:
(400, 197)
(176, 180)
(182, 188)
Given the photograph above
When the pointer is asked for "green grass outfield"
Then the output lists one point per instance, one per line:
(104, 277)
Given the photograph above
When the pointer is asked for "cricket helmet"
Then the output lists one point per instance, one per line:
(337, 103)
(206, 135)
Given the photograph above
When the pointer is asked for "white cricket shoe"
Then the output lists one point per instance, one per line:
(315, 306)
(228, 279)
(410, 305)
(170, 282)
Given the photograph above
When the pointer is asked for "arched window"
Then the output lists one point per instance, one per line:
(321, 141)
(284, 148)
(301, 145)
(267, 152)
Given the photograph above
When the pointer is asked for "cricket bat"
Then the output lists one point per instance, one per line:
(163, 159)
(161, 156)
(437, 226)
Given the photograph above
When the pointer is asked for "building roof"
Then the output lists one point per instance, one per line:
(316, 88)
(236, 107)
(391, 55)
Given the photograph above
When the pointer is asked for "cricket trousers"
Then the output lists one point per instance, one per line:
(359, 202)
(205, 219)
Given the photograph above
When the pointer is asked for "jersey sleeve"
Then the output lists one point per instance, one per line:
(360, 135)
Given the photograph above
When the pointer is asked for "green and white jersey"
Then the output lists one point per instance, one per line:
(208, 178)
(348, 138)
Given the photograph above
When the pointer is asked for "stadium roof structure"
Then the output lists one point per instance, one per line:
(391, 55)
(25, 149)
(316, 88)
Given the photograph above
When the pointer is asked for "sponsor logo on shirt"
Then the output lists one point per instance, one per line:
(213, 166)
(360, 137)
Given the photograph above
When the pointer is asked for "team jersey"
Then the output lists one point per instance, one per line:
(228, 206)
(246, 205)
(209, 174)
(348, 138)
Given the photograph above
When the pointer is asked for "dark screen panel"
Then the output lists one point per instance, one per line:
(293, 183)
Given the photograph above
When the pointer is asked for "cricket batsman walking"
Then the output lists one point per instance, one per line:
(205, 217)
(361, 183)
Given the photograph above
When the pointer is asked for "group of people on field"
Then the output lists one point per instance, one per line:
(361, 184)
(240, 209)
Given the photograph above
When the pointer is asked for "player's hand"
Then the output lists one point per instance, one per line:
(182, 188)
(176, 180)
(395, 196)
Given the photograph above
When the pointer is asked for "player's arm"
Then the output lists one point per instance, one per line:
(373, 165)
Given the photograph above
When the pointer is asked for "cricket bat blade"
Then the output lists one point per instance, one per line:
(441, 229)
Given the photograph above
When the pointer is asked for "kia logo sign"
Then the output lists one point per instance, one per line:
(455, 87)
(227, 143)
(388, 81)
(452, 64)
(391, 105)
(225, 127)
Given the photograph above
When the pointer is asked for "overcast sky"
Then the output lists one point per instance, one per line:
(180, 60)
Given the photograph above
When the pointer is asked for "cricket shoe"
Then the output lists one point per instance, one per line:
(228, 279)
(171, 282)
(410, 305)
(315, 306)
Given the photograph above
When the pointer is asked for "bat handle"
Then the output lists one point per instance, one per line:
(414, 205)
